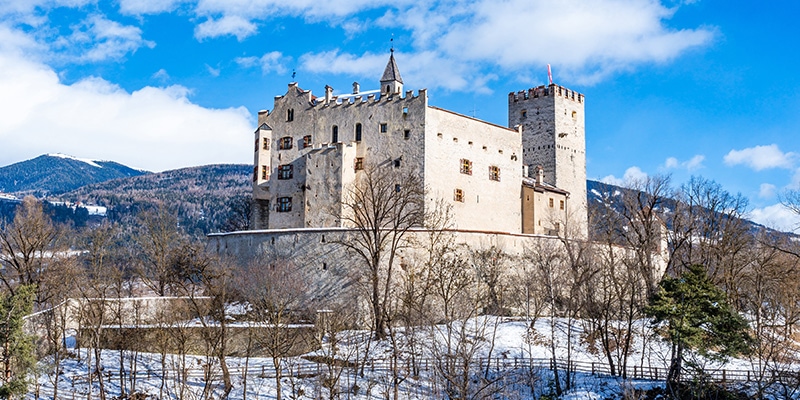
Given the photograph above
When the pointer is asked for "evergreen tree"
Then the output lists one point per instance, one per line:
(17, 352)
(694, 315)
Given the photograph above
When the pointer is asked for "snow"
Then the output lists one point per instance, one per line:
(68, 157)
(512, 344)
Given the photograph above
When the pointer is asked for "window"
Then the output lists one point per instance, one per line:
(265, 146)
(458, 195)
(551, 202)
(307, 141)
(290, 115)
(397, 163)
(405, 111)
(284, 204)
(561, 204)
(264, 172)
(255, 173)
(335, 134)
(384, 128)
(285, 171)
(397, 188)
(406, 134)
(256, 149)
(285, 143)
(359, 164)
(466, 166)
(494, 173)
(358, 132)
(524, 113)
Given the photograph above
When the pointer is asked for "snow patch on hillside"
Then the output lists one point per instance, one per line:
(68, 157)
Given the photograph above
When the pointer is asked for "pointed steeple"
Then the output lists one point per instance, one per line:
(391, 82)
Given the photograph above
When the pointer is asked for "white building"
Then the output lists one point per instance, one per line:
(308, 150)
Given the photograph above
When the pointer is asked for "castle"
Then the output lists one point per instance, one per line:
(528, 178)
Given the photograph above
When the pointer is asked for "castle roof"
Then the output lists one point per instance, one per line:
(391, 73)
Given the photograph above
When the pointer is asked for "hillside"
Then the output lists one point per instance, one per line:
(206, 198)
(57, 173)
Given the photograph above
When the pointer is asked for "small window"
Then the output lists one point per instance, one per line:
(524, 114)
(256, 149)
(285, 171)
(358, 132)
(458, 195)
(551, 202)
(264, 172)
(290, 115)
(384, 128)
(406, 134)
(335, 134)
(307, 141)
(455, 140)
(405, 111)
(574, 114)
(494, 173)
(255, 173)
(284, 204)
(439, 134)
(265, 146)
(397, 188)
(466, 166)
(561, 204)
(397, 163)
(286, 143)
(359, 165)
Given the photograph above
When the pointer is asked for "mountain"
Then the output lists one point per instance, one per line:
(209, 198)
(58, 173)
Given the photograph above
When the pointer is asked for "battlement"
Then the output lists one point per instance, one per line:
(369, 97)
(546, 91)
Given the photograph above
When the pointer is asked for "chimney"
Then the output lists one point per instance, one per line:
(328, 94)
(356, 88)
(539, 175)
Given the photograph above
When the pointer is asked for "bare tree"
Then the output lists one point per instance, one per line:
(276, 291)
(644, 229)
(381, 206)
(29, 246)
(206, 283)
(159, 243)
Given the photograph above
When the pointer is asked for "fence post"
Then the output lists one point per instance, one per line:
(634, 372)
(723, 376)
(592, 367)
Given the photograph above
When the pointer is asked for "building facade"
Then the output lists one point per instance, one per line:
(309, 150)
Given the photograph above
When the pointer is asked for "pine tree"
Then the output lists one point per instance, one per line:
(694, 315)
(17, 352)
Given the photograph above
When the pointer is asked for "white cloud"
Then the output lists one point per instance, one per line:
(776, 216)
(141, 7)
(767, 191)
(232, 25)
(632, 175)
(585, 43)
(161, 75)
(761, 157)
(273, 61)
(425, 69)
(212, 71)
(690, 165)
(152, 128)
(98, 38)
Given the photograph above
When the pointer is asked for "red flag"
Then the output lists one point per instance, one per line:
(549, 74)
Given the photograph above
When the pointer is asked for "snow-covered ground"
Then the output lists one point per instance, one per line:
(425, 367)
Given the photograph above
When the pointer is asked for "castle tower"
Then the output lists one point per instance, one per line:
(391, 82)
(554, 137)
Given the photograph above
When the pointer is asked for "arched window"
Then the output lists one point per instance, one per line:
(358, 132)
(335, 134)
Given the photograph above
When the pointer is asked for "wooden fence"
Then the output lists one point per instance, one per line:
(422, 366)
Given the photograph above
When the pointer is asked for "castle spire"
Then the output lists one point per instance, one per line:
(391, 82)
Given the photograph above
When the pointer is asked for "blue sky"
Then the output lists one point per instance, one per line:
(706, 87)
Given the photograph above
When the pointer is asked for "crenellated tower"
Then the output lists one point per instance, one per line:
(554, 137)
